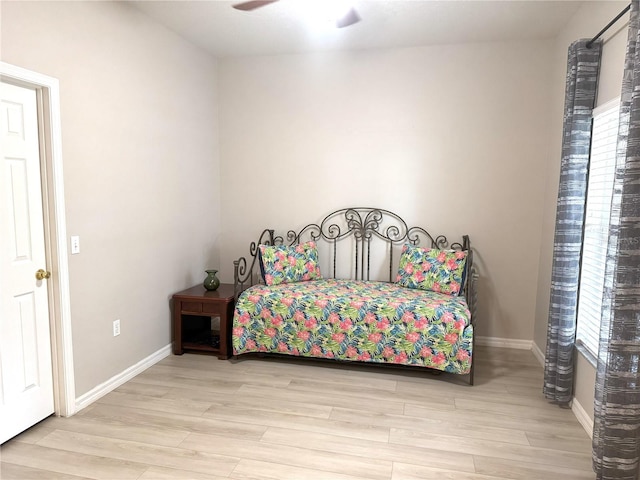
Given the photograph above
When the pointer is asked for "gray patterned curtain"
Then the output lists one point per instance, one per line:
(616, 441)
(583, 66)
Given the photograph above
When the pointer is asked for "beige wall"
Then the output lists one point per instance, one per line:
(450, 137)
(140, 150)
(591, 17)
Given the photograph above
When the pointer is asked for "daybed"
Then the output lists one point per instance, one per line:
(289, 302)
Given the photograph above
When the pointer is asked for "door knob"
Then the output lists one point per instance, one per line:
(42, 274)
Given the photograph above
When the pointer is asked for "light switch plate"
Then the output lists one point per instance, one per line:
(75, 244)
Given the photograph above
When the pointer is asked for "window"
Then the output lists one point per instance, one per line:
(596, 229)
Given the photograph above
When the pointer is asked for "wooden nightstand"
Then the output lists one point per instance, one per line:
(193, 311)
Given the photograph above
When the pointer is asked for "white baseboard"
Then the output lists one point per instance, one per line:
(503, 343)
(537, 353)
(122, 377)
(582, 416)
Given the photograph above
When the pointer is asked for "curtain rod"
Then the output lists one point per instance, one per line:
(590, 42)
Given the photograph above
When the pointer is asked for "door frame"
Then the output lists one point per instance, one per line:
(50, 133)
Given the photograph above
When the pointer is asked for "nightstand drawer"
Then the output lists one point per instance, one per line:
(213, 308)
(191, 307)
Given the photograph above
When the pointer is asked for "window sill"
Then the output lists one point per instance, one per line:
(587, 354)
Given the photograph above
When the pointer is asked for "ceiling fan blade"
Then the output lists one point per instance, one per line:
(348, 18)
(252, 5)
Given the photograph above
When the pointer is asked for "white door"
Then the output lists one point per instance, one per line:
(26, 379)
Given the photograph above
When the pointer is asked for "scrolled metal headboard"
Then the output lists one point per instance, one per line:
(364, 225)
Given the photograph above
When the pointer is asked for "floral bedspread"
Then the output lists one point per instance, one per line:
(355, 320)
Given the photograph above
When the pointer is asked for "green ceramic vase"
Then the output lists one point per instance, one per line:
(211, 282)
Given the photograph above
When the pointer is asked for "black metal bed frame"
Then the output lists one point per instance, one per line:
(362, 225)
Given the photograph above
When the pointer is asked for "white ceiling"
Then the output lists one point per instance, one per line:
(286, 26)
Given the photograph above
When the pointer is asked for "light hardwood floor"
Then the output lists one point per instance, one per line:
(196, 417)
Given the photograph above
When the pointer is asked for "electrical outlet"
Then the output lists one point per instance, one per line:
(116, 328)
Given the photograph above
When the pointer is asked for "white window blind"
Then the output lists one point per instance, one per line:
(596, 228)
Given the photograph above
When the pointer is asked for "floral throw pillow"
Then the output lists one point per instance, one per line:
(289, 264)
(431, 269)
